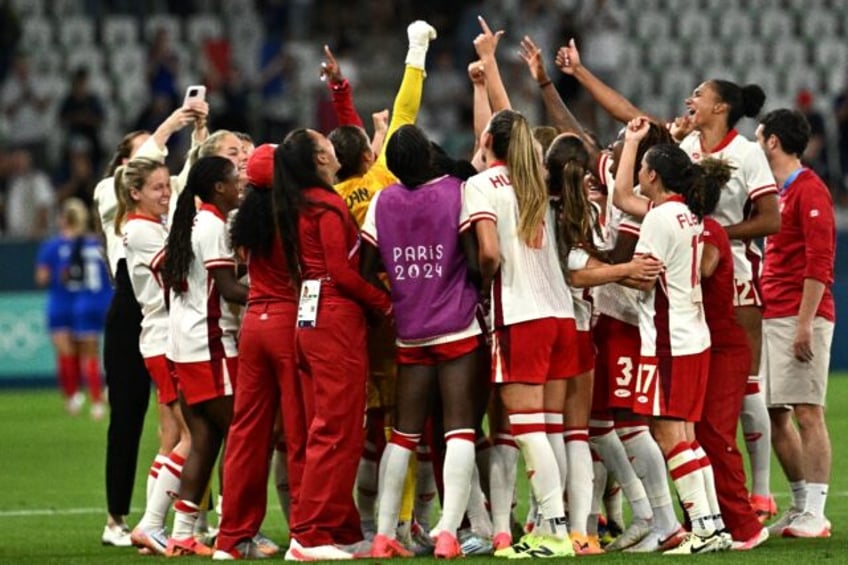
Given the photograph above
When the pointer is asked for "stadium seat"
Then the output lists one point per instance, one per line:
(799, 77)
(119, 30)
(706, 54)
(46, 62)
(676, 84)
(765, 78)
(722, 72)
(170, 23)
(37, 34)
(694, 25)
(62, 9)
(733, 25)
(818, 24)
(26, 9)
(788, 53)
(830, 54)
(775, 24)
(637, 85)
(89, 57)
(238, 9)
(746, 53)
(662, 54)
(201, 27)
(76, 31)
(127, 61)
(653, 26)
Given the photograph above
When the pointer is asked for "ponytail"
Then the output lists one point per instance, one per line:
(179, 253)
(121, 195)
(745, 100)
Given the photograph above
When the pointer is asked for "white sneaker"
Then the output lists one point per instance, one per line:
(265, 545)
(693, 543)
(118, 536)
(243, 550)
(473, 544)
(153, 539)
(808, 525)
(297, 552)
(75, 403)
(658, 541)
(777, 527)
(358, 549)
(635, 532)
(98, 411)
(745, 545)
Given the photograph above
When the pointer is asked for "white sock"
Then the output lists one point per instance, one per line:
(709, 484)
(153, 474)
(393, 467)
(580, 478)
(685, 471)
(816, 499)
(756, 426)
(608, 445)
(281, 480)
(554, 429)
(649, 464)
(478, 515)
(599, 484)
(613, 502)
(166, 489)
(503, 459)
(366, 485)
(799, 494)
(185, 517)
(457, 471)
(541, 468)
(425, 484)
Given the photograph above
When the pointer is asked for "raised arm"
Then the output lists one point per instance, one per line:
(482, 109)
(623, 196)
(341, 92)
(612, 101)
(381, 128)
(485, 44)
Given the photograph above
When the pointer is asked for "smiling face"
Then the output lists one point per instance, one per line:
(230, 190)
(153, 197)
(704, 105)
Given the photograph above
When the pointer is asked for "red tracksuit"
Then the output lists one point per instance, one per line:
(333, 365)
(730, 358)
(267, 381)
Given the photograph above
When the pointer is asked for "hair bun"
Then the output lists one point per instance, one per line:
(753, 99)
(260, 167)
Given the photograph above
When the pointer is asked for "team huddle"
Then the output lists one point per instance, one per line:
(605, 311)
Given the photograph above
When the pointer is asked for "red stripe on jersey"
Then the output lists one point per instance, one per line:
(628, 228)
(754, 259)
(477, 216)
(762, 191)
(369, 238)
(661, 314)
(214, 263)
(685, 469)
(157, 260)
(664, 370)
(730, 136)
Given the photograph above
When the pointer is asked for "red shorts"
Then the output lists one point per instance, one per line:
(617, 359)
(205, 380)
(161, 371)
(585, 352)
(437, 354)
(746, 293)
(672, 387)
(535, 352)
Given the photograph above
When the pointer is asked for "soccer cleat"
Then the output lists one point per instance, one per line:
(656, 541)
(808, 525)
(693, 544)
(512, 551)
(188, 546)
(98, 411)
(421, 542)
(118, 536)
(586, 545)
(501, 540)
(779, 525)
(764, 506)
(74, 406)
(384, 547)
(635, 532)
(297, 552)
(265, 545)
(447, 546)
(360, 549)
(154, 540)
(243, 550)
(544, 547)
(745, 545)
(474, 544)
(369, 529)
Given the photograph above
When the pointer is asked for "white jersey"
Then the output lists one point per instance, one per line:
(671, 314)
(203, 326)
(107, 206)
(612, 299)
(529, 284)
(750, 178)
(580, 297)
(144, 246)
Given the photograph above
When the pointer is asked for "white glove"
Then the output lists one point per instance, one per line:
(420, 34)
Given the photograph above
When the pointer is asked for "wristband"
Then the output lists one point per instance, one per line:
(546, 83)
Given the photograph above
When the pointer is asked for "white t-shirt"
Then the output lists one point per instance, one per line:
(203, 326)
(144, 248)
(750, 178)
(529, 284)
(671, 314)
(28, 123)
(27, 194)
(107, 206)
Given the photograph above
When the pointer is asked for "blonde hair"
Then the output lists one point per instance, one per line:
(75, 215)
(525, 173)
(210, 146)
(133, 175)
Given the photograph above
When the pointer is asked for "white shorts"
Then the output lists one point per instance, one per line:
(787, 380)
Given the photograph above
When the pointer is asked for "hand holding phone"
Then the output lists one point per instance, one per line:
(193, 93)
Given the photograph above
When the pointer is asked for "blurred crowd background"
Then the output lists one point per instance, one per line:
(75, 75)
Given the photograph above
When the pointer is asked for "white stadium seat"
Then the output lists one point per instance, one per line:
(76, 31)
(119, 30)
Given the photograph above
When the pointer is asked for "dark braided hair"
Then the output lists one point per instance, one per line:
(409, 156)
(745, 100)
(253, 227)
(202, 178)
(350, 143)
(699, 184)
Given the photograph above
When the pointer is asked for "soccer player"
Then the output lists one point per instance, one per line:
(798, 323)
(673, 368)
(747, 210)
(418, 231)
(199, 270)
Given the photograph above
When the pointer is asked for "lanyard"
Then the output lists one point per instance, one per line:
(791, 179)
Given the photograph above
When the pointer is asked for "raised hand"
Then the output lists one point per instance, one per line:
(477, 73)
(330, 69)
(487, 42)
(637, 129)
(568, 58)
(381, 121)
(681, 127)
(532, 55)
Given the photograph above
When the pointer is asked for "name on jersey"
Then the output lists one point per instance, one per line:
(417, 261)
(689, 219)
(499, 181)
(358, 196)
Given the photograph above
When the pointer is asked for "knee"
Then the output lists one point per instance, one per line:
(809, 417)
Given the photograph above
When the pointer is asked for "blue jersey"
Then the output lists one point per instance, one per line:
(54, 255)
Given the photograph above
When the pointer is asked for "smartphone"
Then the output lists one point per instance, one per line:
(194, 92)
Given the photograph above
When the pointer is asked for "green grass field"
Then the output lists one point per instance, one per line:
(52, 502)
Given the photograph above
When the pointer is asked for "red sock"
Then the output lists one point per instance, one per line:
(91, 370)
(69, 374)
